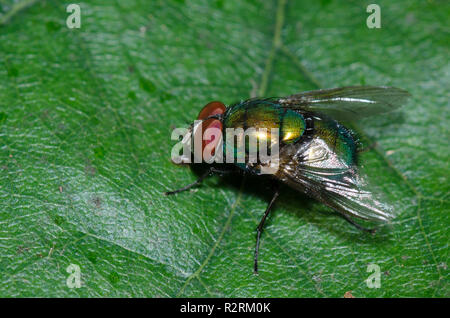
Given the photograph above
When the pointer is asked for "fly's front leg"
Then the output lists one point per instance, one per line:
(260, 228)
(206, 174)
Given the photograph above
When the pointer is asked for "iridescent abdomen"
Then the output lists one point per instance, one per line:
(338, 138)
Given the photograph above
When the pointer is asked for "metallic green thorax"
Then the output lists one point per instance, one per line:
(294, 127)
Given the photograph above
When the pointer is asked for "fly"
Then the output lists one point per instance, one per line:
(316, 153)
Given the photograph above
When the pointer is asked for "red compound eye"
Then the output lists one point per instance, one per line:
(211, 109)
(212, 137)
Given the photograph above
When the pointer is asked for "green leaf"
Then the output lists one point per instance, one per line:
(85, 122)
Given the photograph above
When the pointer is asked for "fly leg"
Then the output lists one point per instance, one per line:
(358, 226)
(206, 174)
(260, 228)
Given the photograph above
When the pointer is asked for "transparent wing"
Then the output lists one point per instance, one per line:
(351, 102)
(315, 169)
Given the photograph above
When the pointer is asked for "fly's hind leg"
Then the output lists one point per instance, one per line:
(206, 174)
(358, 226)
(260, 227)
